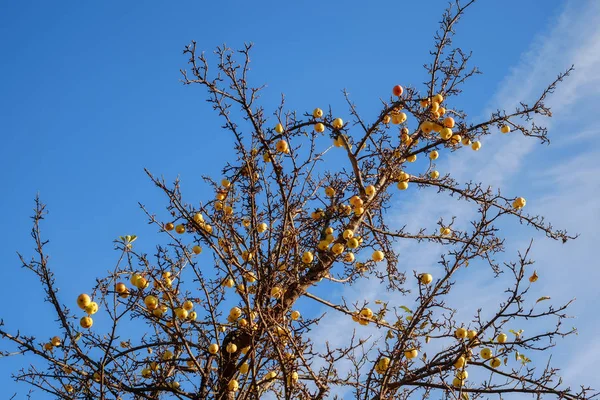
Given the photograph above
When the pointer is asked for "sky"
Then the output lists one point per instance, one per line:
(90, 96)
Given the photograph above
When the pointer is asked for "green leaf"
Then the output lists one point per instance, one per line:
(408, 310)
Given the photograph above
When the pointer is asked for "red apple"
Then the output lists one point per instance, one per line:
(398, 90)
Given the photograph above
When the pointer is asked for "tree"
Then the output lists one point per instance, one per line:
(282, 220)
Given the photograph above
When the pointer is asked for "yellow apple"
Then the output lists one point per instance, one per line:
(434, 155)
(169, 226)
(213, 348)
(402, 185)
(86, 322)
(486, 353)
(282, 146)
(449, 122)
(460, 362)
(151, 302)
(476, 145)
(231, 348)
(307, 257)
(83, 300)
(412, 353)
(461, 333)
(426, 279)
(197, 249)
(446, 133)
(378, 256)
(501, 338)
(188, 305)
(434, 174)
(319, 127)
(505, 129)
(495, 363)
(244, 368)
(279, 128)
(338, 123)
(317, 113)
(295, 315)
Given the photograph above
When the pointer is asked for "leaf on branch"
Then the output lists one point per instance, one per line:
(542, 299)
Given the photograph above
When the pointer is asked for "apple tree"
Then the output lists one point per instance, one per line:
(281, 220)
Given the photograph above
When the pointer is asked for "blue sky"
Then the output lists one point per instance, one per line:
(90, 96)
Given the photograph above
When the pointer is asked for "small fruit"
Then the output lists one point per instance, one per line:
(121, 288)
(501, 338)
(337, 249)
(86, 322)
(83, 300)
(462, 375)
(426, 127)
(235, 312)
(445, 231)
(151, 302)
(446, 133)
(276, 292)
(261, 227)
(366, 312)
(426, 279)
(505, 129)
(457, 382)
(397, 90)
(461, 333)
(455, 139)
(495, 363)
(307, 257)
(279, 128)
(338, 123)
(471, 334)
(486, 353)
(449, 122)
(476, 145)
(411, 158)
(319, 127)
(386, 119)
(197, 249)
(180, 229)
(349, 257)
(402, 185)
(378, 256)
(244, 368)
(434, 155)
(370, 190)
(55, 341)
(295, 315)
(188, 305)
(434, 174)
(181, 313)
(231, 348)
(193, 316)
(438, 98)
(460, 362)
(352, 243)
(213, 348)
(282, 146)
(412, 353)
(317, 113)
(329, 191)
(519, 203)
(169, 226)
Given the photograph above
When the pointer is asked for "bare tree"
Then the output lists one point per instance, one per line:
(283, 219)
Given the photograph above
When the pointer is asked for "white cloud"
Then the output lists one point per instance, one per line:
(568, 172)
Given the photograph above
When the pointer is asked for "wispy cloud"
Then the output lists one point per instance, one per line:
(568, 172)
